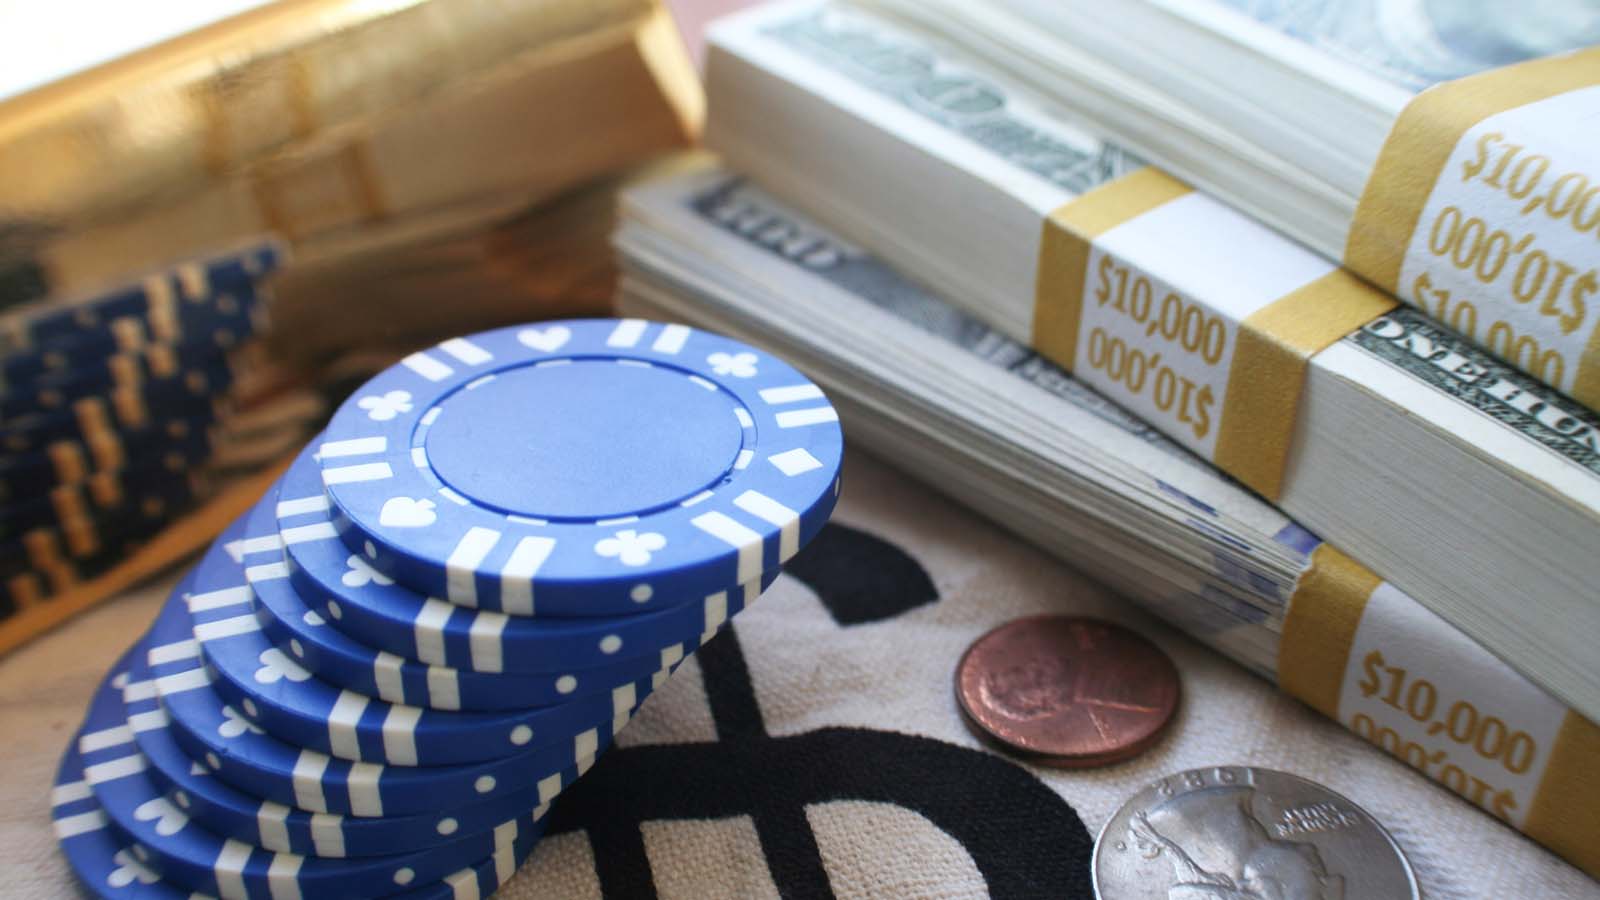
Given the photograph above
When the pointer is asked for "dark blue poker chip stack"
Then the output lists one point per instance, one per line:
(108, 404)
(377, 681)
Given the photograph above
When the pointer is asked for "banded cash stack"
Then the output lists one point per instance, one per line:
(1454, 477)
(990, 423)
(1374, 133)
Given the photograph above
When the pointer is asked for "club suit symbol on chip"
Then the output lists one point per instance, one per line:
(735, 365)
(386, 406)
(407, 512)
(129, 870)
(630, 547)
(168, 819)
(362, 574)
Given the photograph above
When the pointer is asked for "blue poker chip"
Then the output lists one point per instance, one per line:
(275, 692)
(306, 637)
(125, 411)
(156, 304)
(229, 812)
(149, 493)
(188, 440)
(107, 865)
(48, 562)
(105, 534)
(110, 867)
(582, 468)
(373, 610)
(20, 368)
(154, 364)
(237, 751)
(98, 349)
(183, 852)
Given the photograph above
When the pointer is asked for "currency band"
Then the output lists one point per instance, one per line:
(1365, 654)
(1483, 209)
(1128, 298)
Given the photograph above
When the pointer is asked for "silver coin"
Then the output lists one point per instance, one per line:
(1241, 833)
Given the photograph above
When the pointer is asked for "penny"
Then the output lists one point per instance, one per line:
(1246, 834)
(1068, 691)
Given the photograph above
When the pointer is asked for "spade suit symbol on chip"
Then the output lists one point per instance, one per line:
(384, 407)
(407, 512)
(547, 339)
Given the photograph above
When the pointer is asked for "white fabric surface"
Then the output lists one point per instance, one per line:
(895, 674)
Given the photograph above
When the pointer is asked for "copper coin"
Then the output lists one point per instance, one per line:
(1069, 691)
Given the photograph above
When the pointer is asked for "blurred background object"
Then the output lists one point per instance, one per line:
(412, 170)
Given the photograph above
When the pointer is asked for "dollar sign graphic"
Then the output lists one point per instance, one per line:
(1022, 837)
(1369, 684)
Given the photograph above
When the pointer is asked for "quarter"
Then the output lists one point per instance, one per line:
(1241, 833)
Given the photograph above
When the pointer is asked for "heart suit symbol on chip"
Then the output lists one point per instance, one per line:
(547, 339)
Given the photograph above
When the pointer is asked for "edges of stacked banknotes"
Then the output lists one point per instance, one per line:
(962, 406)
(1280, 107)
(1454, 478)
(991, 424)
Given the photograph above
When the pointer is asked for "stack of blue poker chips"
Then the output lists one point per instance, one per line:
(377, 681)
(124, 387)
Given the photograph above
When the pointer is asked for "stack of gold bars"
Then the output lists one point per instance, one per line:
(408, 171)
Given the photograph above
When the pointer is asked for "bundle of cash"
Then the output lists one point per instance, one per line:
(1370, 424)
(1429, 146)
(986, 420)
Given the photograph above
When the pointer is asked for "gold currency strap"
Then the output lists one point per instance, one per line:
(1371, 658)
(1254, 363)
(1483, 210)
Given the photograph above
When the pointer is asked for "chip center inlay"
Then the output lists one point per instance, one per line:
(585, 440)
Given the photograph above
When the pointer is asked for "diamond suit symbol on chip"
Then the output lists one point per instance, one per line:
(630, 547)
(407, 512)
(734, 365)
(234, 724)
(276, 666)
(360, 574)
(547, 339)
(386, 406)
(168, 819)
(129, 870)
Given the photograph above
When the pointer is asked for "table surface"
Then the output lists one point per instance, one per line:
(44, 689)
(815, 673)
